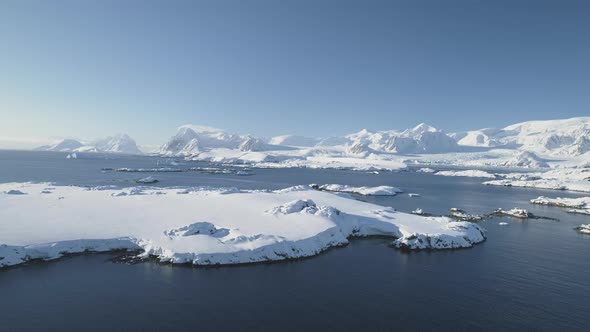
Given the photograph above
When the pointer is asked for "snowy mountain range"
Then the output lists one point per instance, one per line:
(569, 137)
(532, 144)
(553, 137)
(191, 139)
(120, 143)
(529, 144)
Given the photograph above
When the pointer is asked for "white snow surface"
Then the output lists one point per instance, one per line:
(514, 212)
(584, 229)
(294, 140)
(580, 205)
(525, 159)
(467, 173)
(366, 191)
(574, 179)
(120, 143)
(575, 203)
(528, 145)
(204, 226)
(549, 137)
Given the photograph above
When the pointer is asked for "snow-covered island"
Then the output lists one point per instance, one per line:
(365, 191)
(584, 229)
(579, 205)
(467, 173)
(205, 226)
(574, 179)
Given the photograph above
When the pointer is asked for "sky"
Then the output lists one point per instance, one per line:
(89, 69)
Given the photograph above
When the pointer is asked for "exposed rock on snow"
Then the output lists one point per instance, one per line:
(367, 191)
(252, 144)
(358, 148)
(419, 212)
(467, 173)
(459, 214)
(517, 213)
(162, 224)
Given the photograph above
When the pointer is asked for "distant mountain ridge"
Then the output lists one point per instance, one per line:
(526, 144)
(551, 137)
(191, 139)
(120, 143)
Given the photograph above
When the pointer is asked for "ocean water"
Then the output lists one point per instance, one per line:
(528, 275)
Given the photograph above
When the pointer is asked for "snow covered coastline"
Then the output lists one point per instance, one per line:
(574, 179)
(205, 226)
(579, 205)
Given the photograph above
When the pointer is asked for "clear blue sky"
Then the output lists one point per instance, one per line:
(92, 68)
